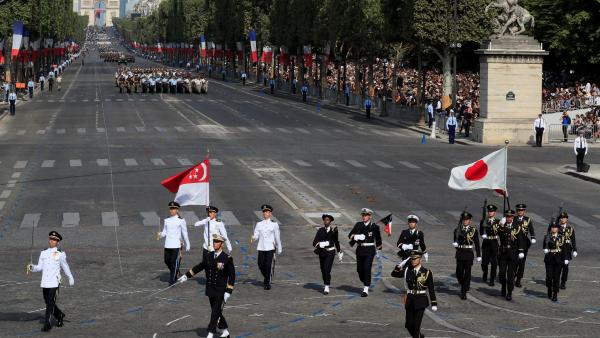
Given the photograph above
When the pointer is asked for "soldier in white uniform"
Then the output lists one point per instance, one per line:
(212, 226)
(175, 231)
(50, 263)
(266, 232)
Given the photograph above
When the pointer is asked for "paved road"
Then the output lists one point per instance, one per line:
(87, 162)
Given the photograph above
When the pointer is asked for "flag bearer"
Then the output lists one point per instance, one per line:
(326, 244)
(212, 225)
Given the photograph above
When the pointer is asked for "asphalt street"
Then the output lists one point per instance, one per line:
(88, 161)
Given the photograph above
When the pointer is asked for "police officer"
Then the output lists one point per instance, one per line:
(272, 85)
(12, 99)
(220, 279)
(304, 91)
(512, 247)
(173, 84)
(451, 124)
(488, 228)
(367, 236)
(212, 225)
(30, 87)
(368, 105)
(465, 238)
(419, 282)
(50, 263)
(526, 224)
(266, 232)
(244, 77)
(174, 231)
(554, 257)
(569, 247)
(411, 239)
(326, 244)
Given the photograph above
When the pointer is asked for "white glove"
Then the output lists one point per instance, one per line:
(484, 236)
(407, 246)
(377, 254)
(340, 256)
(521, 255)
(546, 251)
(226, 296)
(566, 262)
(503, 221)
(426, 255)
(434, 308)
(359, 237)
(187, 248)
(71, 282)
(455, 245)
(403, 263)
(323, 244)
(279, 251)
(574, 254)
(182, 279)
(479, 259)
(533, 241)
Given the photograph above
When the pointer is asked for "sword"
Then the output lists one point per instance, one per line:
(163, 290)
(273, 266)
(27, 269)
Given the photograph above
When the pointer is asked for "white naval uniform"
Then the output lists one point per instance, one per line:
(216, 227)
(50, 263)
(267, 234)
(175, 230)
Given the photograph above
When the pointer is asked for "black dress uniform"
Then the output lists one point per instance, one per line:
(526, 224)
(569, 249)
(326, 244)
(554, 257)
(413, 238)
(512, 247)
(367, 237)
(220, 279)
(489, 246)
(419, 282)
(465, 239)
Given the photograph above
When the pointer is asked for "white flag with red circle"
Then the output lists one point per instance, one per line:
(191, 186)
(487, 173)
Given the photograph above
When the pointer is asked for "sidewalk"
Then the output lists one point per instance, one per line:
(591, 176)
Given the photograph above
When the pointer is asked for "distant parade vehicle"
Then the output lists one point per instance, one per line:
(159, 80)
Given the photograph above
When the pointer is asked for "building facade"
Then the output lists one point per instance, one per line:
(100, 12)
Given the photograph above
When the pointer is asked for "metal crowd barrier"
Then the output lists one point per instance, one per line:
(556, 133)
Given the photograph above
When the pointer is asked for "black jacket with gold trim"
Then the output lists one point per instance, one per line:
(219, 271)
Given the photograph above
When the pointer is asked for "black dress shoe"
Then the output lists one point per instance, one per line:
(491, 283)
(509, 296)
(46, 328)
(59, 320)
(554, 297)
(549, 293)
(364, 294)
(463, 296)
(503, 293)
(267, 286)
(563, 286)
(518, 284)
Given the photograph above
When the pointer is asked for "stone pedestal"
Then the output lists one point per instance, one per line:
(511, 90)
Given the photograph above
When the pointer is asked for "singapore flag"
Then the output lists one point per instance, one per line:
(191, 185)
(487, 173)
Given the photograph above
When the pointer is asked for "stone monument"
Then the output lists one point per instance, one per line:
(511, 78)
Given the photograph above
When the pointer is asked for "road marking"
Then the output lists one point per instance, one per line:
(435, 165)
(180, 129)
(70, 219)
(30, 220)
(140, 129)
(110, 219)
(409, 165)
(180, 318)
(130, 162)
(5, 193)
(81, 130)
(184, 161)
(302, 163)
(102, 162)
(355, 164)
(381, 133)
(157, 161)
(578, 221)
(258, 214)
(75, 163)
(383, 164)
(302, 130)
(283, 130)
(539, 170)
(119, 100)
(107, 100)
(329, 163)
(229, 218)
(264, 130)
(244, 129)
(48, 164)
(150, 218)
(597, 216)
(100, 130)
(41, 132)
(370, 323)
(160, 129)
(427, 217)
(2, 203)
(120, 129)
(189, 216)
(214, 161)
(16, 175)
(515, 169)
(61, 131)
(21, 132)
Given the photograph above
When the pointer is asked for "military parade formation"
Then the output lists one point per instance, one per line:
(153, 80)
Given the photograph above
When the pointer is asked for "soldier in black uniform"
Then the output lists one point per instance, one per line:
(367, 237)
(220, 279)
(411, 239)
(554, 258)
(512, 247)
(418, 281)
(465, 238)
(569, 247)
(326, 244)
(488, 228)
(526, 224)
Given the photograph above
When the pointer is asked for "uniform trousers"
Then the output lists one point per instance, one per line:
(508, 263)
(463, 274)
(326, 263)
(50, 295)
(489, 255)
(363, 267)
(451, 133)
(539, 133)
(265, 263)
(580, 156)
(303, 96)
(172, 261)
(414, 317)
(564, 273)
(553, 275)
(13, 107)
(216, 314)
(521, 266)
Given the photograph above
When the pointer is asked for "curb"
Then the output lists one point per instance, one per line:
(582, 177)
(4, 113)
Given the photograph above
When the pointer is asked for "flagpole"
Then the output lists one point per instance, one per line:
(507, 201)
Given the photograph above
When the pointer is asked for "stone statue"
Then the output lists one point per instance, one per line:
(512, 18)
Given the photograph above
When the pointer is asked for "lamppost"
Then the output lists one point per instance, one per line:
(384, 89)
(455, 48)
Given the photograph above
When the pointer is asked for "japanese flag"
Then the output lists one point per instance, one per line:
(191, 186)
(487, 173)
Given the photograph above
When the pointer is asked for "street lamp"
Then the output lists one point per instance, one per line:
(385, 65)
(454, 47)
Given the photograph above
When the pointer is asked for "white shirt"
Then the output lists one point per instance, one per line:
(50, 262)
(267, 233)
(539, 123)
(12, 97)
(175, 230)
(451, 121)
(597, 101)
(216, 227)
(580, 142)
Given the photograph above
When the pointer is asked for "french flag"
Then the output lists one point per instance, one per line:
(17, 38)
(252, 38)
(203, 45)
(268, 54)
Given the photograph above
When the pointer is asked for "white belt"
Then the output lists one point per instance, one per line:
(465, 247)
(416, 292)
(366, 244)
(491, 237)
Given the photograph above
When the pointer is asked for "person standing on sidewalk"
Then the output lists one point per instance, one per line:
(42, 80)
(539, 125)
(566, 121)
(368, 105)
(304, 91)
(244, 76)
(347, 94)
(12, 99)
(272, 85)
(430, 113)
(580, 148)
(451, 124)
(30, 87)
(6, 88)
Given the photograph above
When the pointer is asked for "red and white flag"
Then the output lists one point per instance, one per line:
(190, 186)
(487, 173)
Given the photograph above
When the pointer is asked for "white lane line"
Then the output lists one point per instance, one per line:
(214, 161)
(100, 130)
(180, 318)
(283, 130)
(597, 216)
(150, 218)
(515, 169)
(529, 329)
(140, 129)
(70, 219)
(130, 162)
(184, 161)
(5, 193)
(409, 165)
(20, 164)
(229, 218)
(264, 130)
(302, 163)
(2, 203)
(157, 161)
(81, 130)
(41, 132)
(329, 163)
(110, 219)
(189, 216)
(383, 164)
(75, 163)
(303, 131)
(355, 164)
(160, 129)
(16, 175)
(244, 129)
(435, 165)
(539, 170)
(180, 129)
(370, 323)
(61, 131)
(120, 129)
(203, 115)
(30, 220)
(38, 310)
(48, 164)
(21, 132)
(102, 162)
